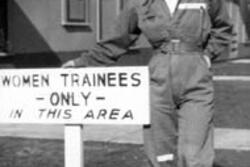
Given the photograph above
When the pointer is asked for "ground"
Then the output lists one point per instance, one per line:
(232, 111)
(232, 97)
(19, 152)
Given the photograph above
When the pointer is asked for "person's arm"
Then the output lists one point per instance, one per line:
(221, 32)
(108, 51)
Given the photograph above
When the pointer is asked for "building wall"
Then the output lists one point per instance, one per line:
(245, 11)
(237, 19)
(238, 13)
(35, 26)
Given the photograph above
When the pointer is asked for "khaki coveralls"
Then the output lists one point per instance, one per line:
(181, 130)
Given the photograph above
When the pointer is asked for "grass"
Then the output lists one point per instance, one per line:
(232, 110)
(232, 104)
(232, 97)
(20, 152)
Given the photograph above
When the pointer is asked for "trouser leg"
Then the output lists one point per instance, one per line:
(189, 86)
(195, 116)
(160, 138)
(195, 142)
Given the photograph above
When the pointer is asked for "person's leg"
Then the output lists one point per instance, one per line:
(160, 138)
(195, 146)
(195, 117)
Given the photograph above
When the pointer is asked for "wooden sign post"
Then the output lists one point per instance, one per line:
(73, 146)
(74, 97)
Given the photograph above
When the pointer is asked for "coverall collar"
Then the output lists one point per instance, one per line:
(172, 5)
(168, 11)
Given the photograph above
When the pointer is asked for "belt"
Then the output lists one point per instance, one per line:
(178, 46)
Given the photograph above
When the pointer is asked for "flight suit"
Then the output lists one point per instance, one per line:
(182, 94)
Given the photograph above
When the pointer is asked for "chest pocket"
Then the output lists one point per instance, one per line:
(193, 12)
(195, 18)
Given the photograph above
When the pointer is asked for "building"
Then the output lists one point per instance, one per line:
(239, 11)
(45, 33)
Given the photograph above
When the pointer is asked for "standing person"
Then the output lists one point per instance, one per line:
(185, 36)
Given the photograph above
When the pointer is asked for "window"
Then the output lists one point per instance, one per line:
(75, 12)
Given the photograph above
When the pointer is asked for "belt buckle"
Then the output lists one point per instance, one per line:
(175, 44)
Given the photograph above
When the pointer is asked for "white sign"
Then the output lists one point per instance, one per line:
(113, 95)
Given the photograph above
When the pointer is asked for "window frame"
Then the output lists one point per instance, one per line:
(65, 13)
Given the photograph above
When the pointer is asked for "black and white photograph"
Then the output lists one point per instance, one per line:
(124, 83)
